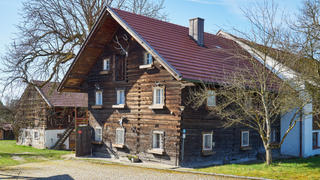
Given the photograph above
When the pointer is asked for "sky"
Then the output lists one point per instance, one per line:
(218, 14)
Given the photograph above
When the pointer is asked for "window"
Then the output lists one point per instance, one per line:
(120, 136)
(207, 142)
(273, 136)
(315, 140)
(106, 64)
(244, 138)
(157, 97)
(98, 97)
(36, 134)
(120, 97)
(211, 100)
(98, 134)
(248, 100)
(157, 140)
(147, 61)
(147, 58)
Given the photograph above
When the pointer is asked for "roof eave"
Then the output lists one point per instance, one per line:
(96, 25)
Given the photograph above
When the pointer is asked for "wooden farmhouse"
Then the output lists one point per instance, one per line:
(45, 117)
(6, 131)
(137, 72)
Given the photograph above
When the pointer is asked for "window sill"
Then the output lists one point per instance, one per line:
(156, 151)
(207, 153)
(146, 66)
(246, 148)
(97, 107)
(118, 145)
(156, 106)
(105, 72)
(97, 142)
(316, 147)
(119, 106)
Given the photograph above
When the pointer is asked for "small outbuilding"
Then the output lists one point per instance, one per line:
(6, 131)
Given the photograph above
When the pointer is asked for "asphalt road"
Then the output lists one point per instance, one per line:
(78, 169)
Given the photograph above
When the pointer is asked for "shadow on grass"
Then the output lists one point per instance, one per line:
(63, 176)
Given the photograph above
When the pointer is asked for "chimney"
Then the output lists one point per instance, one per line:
(196, 29)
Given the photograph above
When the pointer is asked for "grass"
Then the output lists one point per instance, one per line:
(299, 168)
(12, 154)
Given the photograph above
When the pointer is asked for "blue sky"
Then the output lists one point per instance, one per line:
(217, 13)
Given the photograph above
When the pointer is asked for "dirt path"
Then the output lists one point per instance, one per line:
(75, 169)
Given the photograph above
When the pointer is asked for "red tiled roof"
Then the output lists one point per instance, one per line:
(6, 126)
(192, 61)
(62, 99)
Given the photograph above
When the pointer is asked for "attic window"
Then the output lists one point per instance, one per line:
(105, 66)
(147, 61)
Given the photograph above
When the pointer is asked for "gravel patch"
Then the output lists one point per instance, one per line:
(74, 169)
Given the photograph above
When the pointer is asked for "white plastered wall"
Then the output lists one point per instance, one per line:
(307, 135)
(291, 144)
(52, 138)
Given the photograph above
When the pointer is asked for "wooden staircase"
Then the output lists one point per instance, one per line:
(64, 136)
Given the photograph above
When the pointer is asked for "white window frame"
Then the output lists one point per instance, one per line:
(98, 96)
(204, 142)
(161, 103)
(106, 64)
(117, 135)
(119, 93)
(147, 59)
(98, 136)
(242, 136)
(211, 100)
(155, 96)
(161, 140)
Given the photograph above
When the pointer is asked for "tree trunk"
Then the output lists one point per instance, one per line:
(268, 156)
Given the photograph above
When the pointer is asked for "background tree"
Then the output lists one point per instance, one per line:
(52, 31)
(270, 87)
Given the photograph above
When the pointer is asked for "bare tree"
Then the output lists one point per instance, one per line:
(269, 86)
(52, 31)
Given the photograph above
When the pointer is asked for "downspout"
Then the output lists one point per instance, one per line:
(300, 133)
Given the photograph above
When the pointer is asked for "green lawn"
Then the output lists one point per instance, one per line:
(12, 154)
(300, 168)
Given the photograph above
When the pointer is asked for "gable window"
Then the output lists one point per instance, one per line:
(248, 100)
(157, 97)
(207, 143)
(106, 64)
(98, 134)
(157, 146)
(121, 98)
(98, 97)
(315, 140)
(211, 100)
(147, 61)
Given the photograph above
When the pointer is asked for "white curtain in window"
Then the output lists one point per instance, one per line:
(207, 145)
(98, 134)
(120, 97)
(156, 140)
(120, 136)
(245, 138)
(99, 98)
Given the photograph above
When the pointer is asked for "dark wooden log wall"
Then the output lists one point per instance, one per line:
(32, 109)
(227, 141)
(139, 120)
